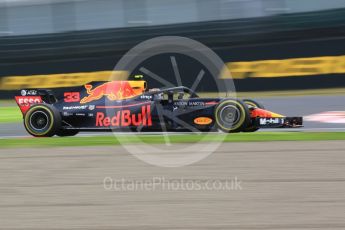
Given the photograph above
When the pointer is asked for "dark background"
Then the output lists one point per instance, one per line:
(276, 37)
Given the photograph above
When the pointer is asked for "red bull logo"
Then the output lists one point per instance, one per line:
(114, 90)
(125, 118)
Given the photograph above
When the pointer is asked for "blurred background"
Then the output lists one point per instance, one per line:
(268, 45)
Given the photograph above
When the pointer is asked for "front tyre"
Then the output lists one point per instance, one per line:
(232, 116)
(42, 120)
(252, 105)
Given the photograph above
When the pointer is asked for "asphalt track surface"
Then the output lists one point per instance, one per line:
(281, 185)
(289, 106)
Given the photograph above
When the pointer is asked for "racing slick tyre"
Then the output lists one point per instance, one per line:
(232, 116)
(251, 103)
(42, 120)
(67, 132)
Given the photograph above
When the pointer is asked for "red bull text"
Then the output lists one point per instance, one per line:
(125, 118)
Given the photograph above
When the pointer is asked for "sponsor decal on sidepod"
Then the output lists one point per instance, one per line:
(76, 107)
(202, 120)
(124, 118)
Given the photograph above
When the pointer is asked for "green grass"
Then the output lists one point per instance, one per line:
(7, 103)
(10, 115)
(159, 139)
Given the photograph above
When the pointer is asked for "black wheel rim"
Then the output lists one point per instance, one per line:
(39, 121)
(230, 115)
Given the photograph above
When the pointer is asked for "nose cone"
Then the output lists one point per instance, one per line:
(264, 113)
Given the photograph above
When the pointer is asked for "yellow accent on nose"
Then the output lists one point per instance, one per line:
(277, 115)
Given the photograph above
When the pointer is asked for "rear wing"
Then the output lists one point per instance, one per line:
(27, 97)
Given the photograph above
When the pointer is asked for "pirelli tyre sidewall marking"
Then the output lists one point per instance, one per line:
(28, 116)
(242, 118)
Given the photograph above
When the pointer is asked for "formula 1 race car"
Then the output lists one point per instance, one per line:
(128, 105)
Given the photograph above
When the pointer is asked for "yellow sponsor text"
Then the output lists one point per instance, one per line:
(59, 80)
(292, 67)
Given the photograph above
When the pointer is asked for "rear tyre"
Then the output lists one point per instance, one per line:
(42, 120)
(232, 116)
(252, 104)
(67, 132)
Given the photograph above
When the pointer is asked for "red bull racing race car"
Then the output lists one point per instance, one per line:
(128, 105)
